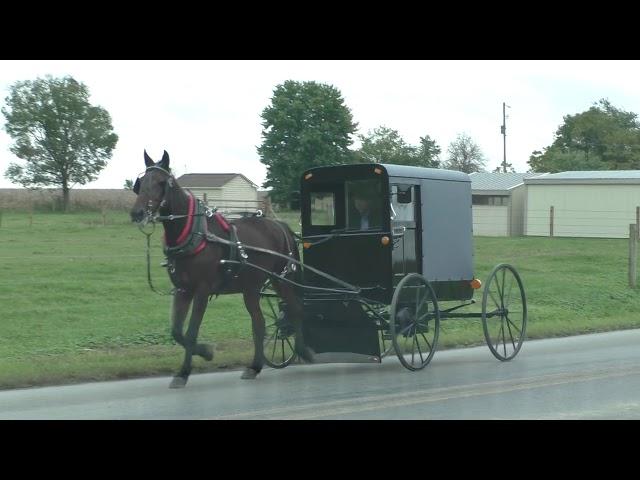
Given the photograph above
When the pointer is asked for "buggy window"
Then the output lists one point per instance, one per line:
(364, 205)
(405, 212)
(323, 208)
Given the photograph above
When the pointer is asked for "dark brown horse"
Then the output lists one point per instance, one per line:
(197, 265)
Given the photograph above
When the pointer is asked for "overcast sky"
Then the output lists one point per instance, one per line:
(206, 114)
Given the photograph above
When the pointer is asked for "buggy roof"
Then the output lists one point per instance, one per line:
(403, 171)
(429, 173)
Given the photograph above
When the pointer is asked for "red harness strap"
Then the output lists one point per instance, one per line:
(222, 222)
(187, 228)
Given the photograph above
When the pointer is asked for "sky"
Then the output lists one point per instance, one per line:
(206, 113)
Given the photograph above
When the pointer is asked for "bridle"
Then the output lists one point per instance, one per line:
(150, 216)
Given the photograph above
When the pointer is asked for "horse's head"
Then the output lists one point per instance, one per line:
(151, 188)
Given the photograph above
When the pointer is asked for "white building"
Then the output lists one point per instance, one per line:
(498, 203)
(229, 192)
(585, 204)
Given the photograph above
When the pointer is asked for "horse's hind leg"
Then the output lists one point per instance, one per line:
(252, 302)
(190, 344)
(295, 311)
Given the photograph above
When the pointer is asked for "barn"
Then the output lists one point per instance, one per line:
(229, 192)
(582, 204)
(498, 203)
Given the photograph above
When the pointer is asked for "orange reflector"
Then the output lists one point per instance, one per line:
(308, 176)
(377, 170)
(306, 244)
(475, 283)
(384, 240)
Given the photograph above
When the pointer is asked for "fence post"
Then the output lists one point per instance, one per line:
(633, 255)
(104, 217)
(204, 198)
(638, 221)
(551, 221)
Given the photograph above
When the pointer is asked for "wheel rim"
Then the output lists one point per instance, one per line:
(414, 322)
(504, 312)
(279, 332)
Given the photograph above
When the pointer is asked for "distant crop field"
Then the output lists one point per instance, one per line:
(75, 304)
(50, 200)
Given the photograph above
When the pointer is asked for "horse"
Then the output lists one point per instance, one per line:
(197, 263)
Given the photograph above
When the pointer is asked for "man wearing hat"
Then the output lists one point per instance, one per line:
(365, 213)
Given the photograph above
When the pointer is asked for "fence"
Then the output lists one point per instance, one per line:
(634, 231)
(234, 208)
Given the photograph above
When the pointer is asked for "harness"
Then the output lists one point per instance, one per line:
(192, 239)
(195, 235)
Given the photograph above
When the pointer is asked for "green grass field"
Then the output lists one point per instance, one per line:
(75, 304)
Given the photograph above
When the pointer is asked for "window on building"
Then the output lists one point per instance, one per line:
(494, 200)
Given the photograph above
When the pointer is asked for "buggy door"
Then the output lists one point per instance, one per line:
(407, 255)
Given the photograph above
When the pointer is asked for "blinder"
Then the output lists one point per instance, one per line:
(136, 186)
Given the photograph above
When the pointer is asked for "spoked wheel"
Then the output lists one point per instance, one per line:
(279, 334)
(504, 312)
(414, 321)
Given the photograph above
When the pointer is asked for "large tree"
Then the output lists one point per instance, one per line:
(62, 137)
(464, 155)
(385, 145)
(601, 138)
(306, 125)
(427, 153)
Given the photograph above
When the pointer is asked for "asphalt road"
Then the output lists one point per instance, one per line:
(585, 377)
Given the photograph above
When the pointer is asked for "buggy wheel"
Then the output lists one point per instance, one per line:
(279, 336)
(504, 312)
(414, 322)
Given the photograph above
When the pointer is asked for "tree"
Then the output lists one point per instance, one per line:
(601, 138)
(504, 168)
(464, 155)
(385, 145)
(306, 125)
(427, 153)
(128, 185)
(61, 136)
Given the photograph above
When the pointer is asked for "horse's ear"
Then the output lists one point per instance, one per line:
(147, 159)
(164, 163)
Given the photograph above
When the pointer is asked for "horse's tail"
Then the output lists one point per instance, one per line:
(292, 239)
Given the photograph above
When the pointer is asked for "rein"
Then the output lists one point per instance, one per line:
(148, 235)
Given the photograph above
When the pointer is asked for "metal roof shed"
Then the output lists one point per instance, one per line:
(585, 203)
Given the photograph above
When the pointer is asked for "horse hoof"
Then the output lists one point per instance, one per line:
(178, 382)
(249, 374)
(307, 355)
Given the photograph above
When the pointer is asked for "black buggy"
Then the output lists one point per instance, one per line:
(382, 246)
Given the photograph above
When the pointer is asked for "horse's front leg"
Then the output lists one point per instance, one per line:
(190, 344)
(179, 309)
(252, 303)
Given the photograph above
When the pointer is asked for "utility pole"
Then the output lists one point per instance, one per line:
(503, 130)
